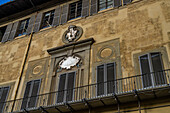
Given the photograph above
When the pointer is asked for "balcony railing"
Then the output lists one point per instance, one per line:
(145, 82)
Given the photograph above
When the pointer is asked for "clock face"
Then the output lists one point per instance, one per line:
(69, 62)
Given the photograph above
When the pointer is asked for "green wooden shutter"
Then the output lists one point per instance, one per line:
(7, 33)
(56, 20)
(117, 3)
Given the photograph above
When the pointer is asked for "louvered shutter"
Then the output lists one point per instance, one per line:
(7, 33)
(13, 31)
(70, 86)
(34, 93)
(4, 94)
(26, 95)
(145, 69)
(85, 8)
(61, 88)
(30, 25)
(159, 75)
(100, 80)
(94, 7)
(38, 22)
(56, 20)
(117, 3)
(110, 78)
(64, 14)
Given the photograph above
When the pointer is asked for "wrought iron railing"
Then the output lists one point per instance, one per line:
(155, 80)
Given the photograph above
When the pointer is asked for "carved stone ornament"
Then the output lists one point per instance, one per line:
(69, 62)
(72, 34)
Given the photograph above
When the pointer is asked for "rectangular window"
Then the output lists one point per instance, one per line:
(30, 95)
(47, 19)
(66, 87)
(127, 1)
(23, 25)
(105, 4)
(2, 32)
(3, 97)
(75, 10)
(105, 79)
(151, 69)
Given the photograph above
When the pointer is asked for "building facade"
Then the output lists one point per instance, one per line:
(89, 56)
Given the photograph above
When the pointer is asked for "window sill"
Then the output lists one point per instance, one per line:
(20, 36)
(46, 28)
(74, 19)
(106, 10)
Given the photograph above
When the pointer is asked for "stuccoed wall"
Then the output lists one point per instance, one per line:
(139, 27)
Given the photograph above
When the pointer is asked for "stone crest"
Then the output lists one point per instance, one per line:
(72, 34)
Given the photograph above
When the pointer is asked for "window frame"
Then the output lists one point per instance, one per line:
(30, 92)
(22, 32)
(153, 83)
(51, 15)
(105, 78)
(76, 10)
(65, 88)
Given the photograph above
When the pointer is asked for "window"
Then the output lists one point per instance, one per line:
(75, 10)
(104, 4)
(152, 62)
(3, 97)
(23, 27)
(30, 95)
(105, 79)
(65, 89)
(2, 31)
(47, 19)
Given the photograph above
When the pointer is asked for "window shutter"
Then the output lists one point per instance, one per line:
(56, 20)
(145, 69)
(100, 80)
(70, 86)
(7, 33)
(26, 95)
(61, 88)
(94, 7)
(13, 31)
(38, 22)
(117, 3)
(4, 94)
(110, 78)
(159, 75)
(34, 93)
(31, 24)
(64, 14)
(85, 8)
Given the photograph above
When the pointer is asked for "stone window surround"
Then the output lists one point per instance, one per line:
(163, 52)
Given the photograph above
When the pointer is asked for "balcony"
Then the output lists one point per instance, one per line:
(156, 84)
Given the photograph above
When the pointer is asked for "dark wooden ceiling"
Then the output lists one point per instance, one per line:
(17, 6)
